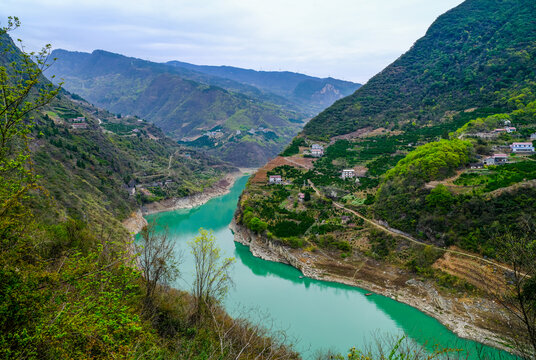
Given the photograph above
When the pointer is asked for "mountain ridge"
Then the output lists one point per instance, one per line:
(445, 70)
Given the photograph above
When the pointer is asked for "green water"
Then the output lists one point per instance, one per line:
(318, 315)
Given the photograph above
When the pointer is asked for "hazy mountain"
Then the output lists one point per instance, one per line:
(185, 109)
(307, 92)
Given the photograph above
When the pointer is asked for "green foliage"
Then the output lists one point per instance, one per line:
(22, 93)
(440, 198)
(257, 225)
(432, 161)
(469, 57)
(381, 243)
(212, 280)
(127, 85)
(294, 147)
(330, 242)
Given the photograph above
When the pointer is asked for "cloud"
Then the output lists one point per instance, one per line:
(349, 39)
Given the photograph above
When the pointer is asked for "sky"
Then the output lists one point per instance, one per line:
(344, 39)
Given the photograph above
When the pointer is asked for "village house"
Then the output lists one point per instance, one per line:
(79, 119)
(348, 174)
(533, 137)
(507, 129)
(476, 165)
(496, 159)
(275, 179)
(136, 131)
(317, 150)
(522, 147)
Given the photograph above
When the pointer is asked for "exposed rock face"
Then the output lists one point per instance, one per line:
(467, 317)
(222, 187)
(135, 222)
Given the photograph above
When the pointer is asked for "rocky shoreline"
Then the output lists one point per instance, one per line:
(463, 316)
(136, 221)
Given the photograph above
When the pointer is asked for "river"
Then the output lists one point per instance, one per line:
(317, 315)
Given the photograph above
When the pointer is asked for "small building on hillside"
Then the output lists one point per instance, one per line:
(522, 147)
(533, 137)
(301, 196)
(275, 179)
(496, 159)
(317, 150)
(499, 131)
(348, 174)
(476, 165)
(79, 119)
(510, 129)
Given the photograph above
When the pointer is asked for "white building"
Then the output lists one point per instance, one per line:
(496, 159)
(533, 137)
(348, 174)
(522, 147)
(275, 179)
(317, 150)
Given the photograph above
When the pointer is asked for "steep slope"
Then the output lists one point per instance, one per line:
(72, 282)
(96, 165)
(310, 94)
(467, 58)
(401, 180)
(184, 109)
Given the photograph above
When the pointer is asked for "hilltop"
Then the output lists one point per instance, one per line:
(416, 185)
(307, 93)
(469, 57)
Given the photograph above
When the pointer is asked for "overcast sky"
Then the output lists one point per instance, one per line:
(345, 39)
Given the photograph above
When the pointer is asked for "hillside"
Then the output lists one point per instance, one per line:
(468, 58)
(206, 116)
(310, 94)
(74, 286)
(420, 163)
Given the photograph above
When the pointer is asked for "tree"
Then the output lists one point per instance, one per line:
(22, 91)
(518, 294)
(212, 278)
(157, 260)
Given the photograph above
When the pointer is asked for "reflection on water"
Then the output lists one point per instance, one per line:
(321, 314)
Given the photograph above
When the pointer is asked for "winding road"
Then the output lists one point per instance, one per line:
(403, 235)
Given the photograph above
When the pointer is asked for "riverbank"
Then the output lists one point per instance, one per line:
(136, 221)
(477, 319)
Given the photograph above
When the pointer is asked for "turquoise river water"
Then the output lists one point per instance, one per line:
(317, 315)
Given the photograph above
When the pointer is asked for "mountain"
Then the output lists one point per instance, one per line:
(74, 285)
(418, 173)
(92, 162)
(467, 58)
(219, 120)
(310, 94)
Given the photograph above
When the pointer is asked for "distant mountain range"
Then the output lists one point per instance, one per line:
(242, 116)
(309, 94)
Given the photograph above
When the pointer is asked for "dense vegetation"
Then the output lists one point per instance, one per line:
(467, 57)
(71, 287)
(306, 93)
(182, 107)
